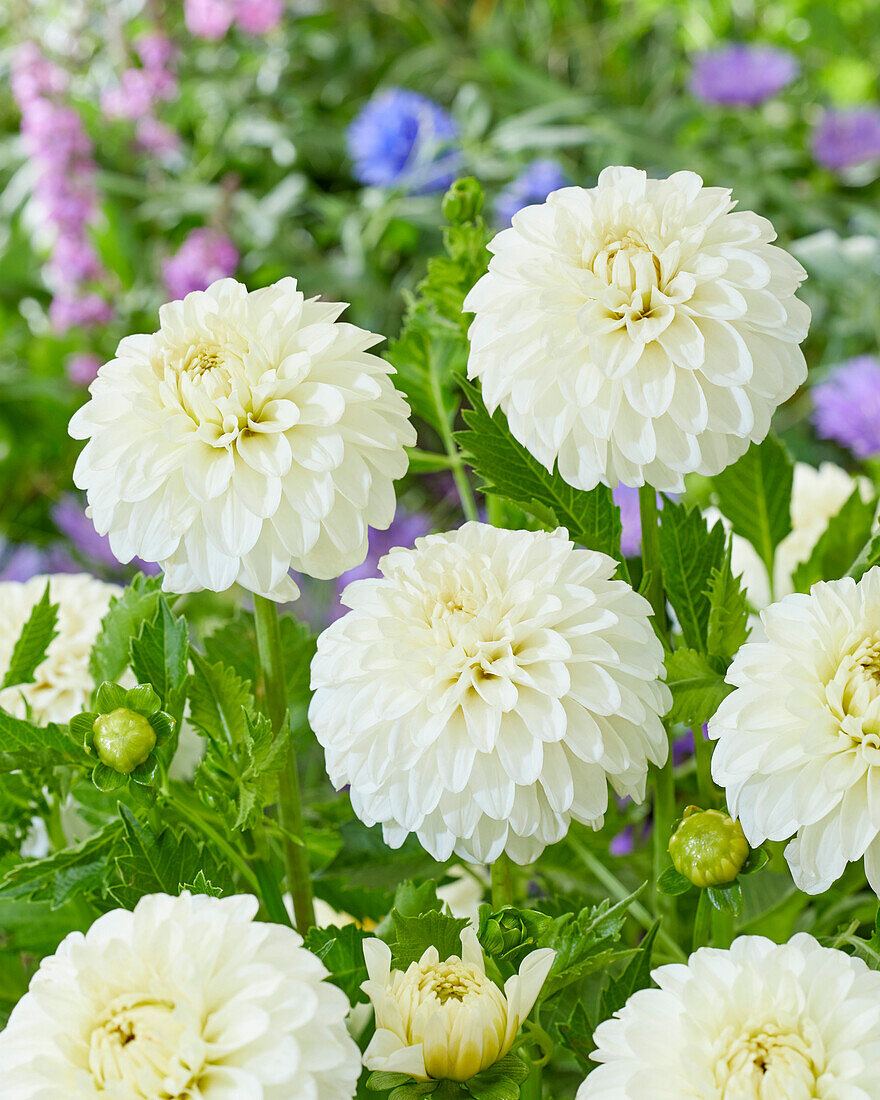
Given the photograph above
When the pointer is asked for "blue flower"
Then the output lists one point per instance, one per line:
(847, 406)
(531, 186)
(402, 139)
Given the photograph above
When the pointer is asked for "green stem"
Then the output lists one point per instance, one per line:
(465, 492)
(703, 921)
(703, 756)
(619, 892)
(533, 1086)
(650, 518)
(191, 811)
(502, 882)
(722, 928)
(296, 854)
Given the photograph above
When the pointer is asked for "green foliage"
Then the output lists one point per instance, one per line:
(410, 936)
(839, 544)
(728, 610)
(30, 649)
(160, 656)
(30, 747)
(636, 975)
(111, 652)
(342, 951)
(755, 494)
(696, 681)
(584, 942)
(690, 554)
(499, 1082)
(80, 870)
(505, 467)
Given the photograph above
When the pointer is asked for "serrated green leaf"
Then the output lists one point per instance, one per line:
(839, 544)
(160, 656)
(263, 755)
(110, 653)
(584, 942)
(505, 467)
(728, 610)
(201, 885)
(66, 874)
(29, 651)
(409, 937)
(500, 1081)
(697, 683)
(218, 700)
(636, 975)
(30, 747)
(866, 559)
(342, 951)
(755, 495)
(689, 553)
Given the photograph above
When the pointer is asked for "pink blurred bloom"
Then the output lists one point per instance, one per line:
(209, 19)
(259, 16)
(205, 256)
(82, 367)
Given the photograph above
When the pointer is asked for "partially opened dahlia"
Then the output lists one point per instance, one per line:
(798, 749)
(253, 434)
(483, 691)
(757, 1022)
(185, 997)
(639, 330)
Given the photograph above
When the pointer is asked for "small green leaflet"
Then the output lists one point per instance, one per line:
(66, 874)
(26, 745)
(409, 937)
(689, 554)
(584, 942)
(160, 656)
(839, 544)
(755, 495)
(110, 653)
(696, 681)
(505, 467)
(342, 952)
(636, 975)
(30, 650)
(728, 610)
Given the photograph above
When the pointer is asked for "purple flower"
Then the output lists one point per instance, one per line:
(156, 137)
(531, 186)
(624, 843)
(209, 19)
(259, 16)
(21, 561)
(683, 747)
(155, 50)
(82, 367)
(402, 139)
(70, 518)
(73, 310)
(844, 139)
(627, 500)
(742, 76)
(204, 257)
(846, 406)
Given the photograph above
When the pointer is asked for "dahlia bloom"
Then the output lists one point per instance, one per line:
(251, 435)
(817, 495)
(742, 76)
(485, 688)
(185, 996)
(446, 1019)
(532, 185)
(63, 684)
(846, 406)
(799, 739)
(845, 139)
(637, 331)
(756, 1022)
(402, 139)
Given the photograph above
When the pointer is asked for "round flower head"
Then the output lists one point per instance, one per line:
(62, 684)
(638, 331)
(847, 406)
(446, 1019)
(252, 434)
(757, 1022)
(482, 691)
(845, 139)
(184, 997)
(742, 76)
(402, 139)
(799, 739)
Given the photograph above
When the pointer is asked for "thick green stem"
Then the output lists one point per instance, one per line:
(465, 492)
(703, 921)
(502, 882)
(649, 516)
(533, 1086)
(290, 800)
(722, 928)
(703, 756)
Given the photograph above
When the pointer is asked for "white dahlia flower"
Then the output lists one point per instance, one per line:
(757, 1022)
(484, 688)
(251, 435)
(638, 331)
(186, 997)
(63, 684)
(799, 739)
(817, 495)
(447, 1019)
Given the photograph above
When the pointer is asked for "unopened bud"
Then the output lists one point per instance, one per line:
(463, 201)
(708, 847)
(123, 739)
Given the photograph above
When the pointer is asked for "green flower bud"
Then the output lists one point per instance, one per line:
(123, 739)
(708, 847)
(463, 201)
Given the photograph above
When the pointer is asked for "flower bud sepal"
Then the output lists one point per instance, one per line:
(124, 732)
(502, 1079)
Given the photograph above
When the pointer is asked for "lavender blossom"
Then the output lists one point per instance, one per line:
(846, 406)
(844, 139)
(70, 518)
(205, 256)
(82, 368)
(402, 139)
(209, 19)
(742, 76)
(259, 16)
(531, 186)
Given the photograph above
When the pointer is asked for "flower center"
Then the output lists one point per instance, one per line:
(769, 1063)
(628, 263)
(450, 980)
(853, 694)
(147, 1044)
(202, 357)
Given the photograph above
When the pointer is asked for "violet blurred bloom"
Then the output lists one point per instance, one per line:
(844, 139)
(403, 139)
(78, 311)
(82, 367)
(846, 406)
(741, 75)
(156, 137)
(209, 19)
(69, 516)
(624, 843)
(259, 16)
(627, 499)
(21, 561)
(155, 50)
(683, 747)
(205, 256)
(34, 76)
(531, 186)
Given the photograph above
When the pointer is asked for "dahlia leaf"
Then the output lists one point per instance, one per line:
(868, 557)
(697, 685)
(218, 699)
(755, 495)
(839, 544)
(160, 656)
(342, 951)
(505, 467)
(728, 610)
(689, 554)
(264, 755)
(30, 747)
(72, 872)
(201, 885)
(636, 975)
(30, 650)
(110, 653)
(409, 937)
(585, 942)
(500, 1081)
